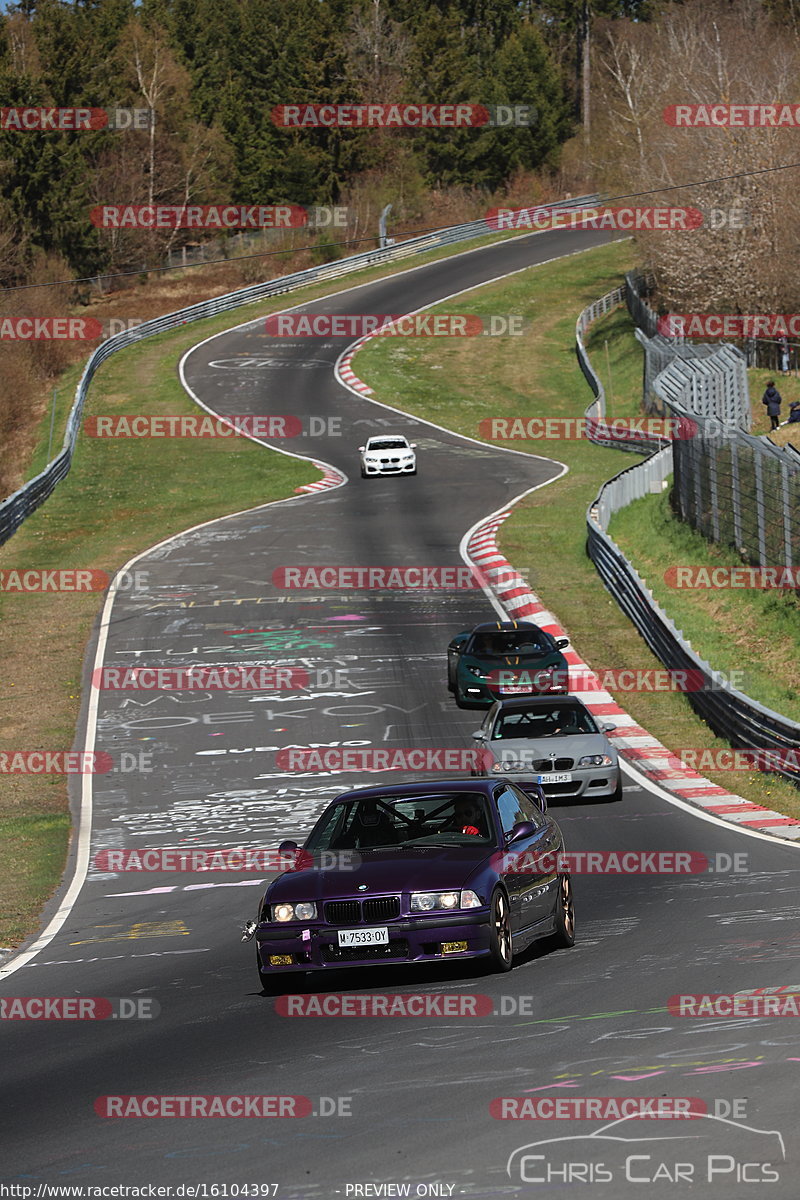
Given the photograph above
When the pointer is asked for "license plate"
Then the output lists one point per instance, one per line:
(364, 937)
(564, 778)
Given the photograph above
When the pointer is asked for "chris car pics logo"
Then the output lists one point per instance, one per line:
(713, 1152)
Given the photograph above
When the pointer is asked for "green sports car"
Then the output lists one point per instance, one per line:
(505, 658)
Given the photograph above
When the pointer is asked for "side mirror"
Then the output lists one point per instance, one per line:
(562, 643)
(413, 445)
(361, 448)
(478, 735)
(288, 845)
(522, 829)
(608, 727)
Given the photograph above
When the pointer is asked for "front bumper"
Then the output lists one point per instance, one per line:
(404, 468)
(315, 947)
(477, 693)
(591, 783)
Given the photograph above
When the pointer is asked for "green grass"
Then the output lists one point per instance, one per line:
(36, 847)
(609, 343)
(726, 626)
(458, 383)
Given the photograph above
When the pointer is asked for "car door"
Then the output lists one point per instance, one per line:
(531, 877)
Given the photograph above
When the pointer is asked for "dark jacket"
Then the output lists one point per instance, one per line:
(772, 399)
(794, 412)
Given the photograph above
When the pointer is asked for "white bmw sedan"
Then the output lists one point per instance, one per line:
(388, 454)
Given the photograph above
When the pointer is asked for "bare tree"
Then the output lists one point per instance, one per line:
(742, 258)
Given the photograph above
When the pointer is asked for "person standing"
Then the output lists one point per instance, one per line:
(772, 400)
(783, 345)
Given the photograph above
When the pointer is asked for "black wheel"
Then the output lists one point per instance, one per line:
(564, 932)
(617, 793)
(501, 951)
(363, 473)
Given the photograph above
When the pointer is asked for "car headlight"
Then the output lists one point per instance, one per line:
(522, 763)
(430, 901)
(595, 760)
(294, 912)
(476, 671)
(370, 458)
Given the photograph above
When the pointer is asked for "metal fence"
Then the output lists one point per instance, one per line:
(731, 714)
(17, 507)
(733, 488)
(597, 429)
(739, 490)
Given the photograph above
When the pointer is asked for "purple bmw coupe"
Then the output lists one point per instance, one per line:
(422, 872)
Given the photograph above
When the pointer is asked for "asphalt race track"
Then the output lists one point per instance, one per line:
(394, 1101)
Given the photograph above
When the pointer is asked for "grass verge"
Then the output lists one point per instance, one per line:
(459, 382)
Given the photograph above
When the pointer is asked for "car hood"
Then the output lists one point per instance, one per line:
(419, 869)
(572, 746)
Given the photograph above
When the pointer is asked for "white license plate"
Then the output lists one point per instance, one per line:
(364, 937)
(564, 778)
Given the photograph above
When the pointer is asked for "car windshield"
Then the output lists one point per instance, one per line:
(563, 720)
(392, 822)
(524, 643)
(387, 443)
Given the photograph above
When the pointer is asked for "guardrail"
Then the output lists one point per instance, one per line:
(731, 714)
(597, 429)
(18, 506)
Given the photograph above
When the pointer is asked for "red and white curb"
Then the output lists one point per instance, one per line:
(635, 744)
(331, 478)
(348, 374)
